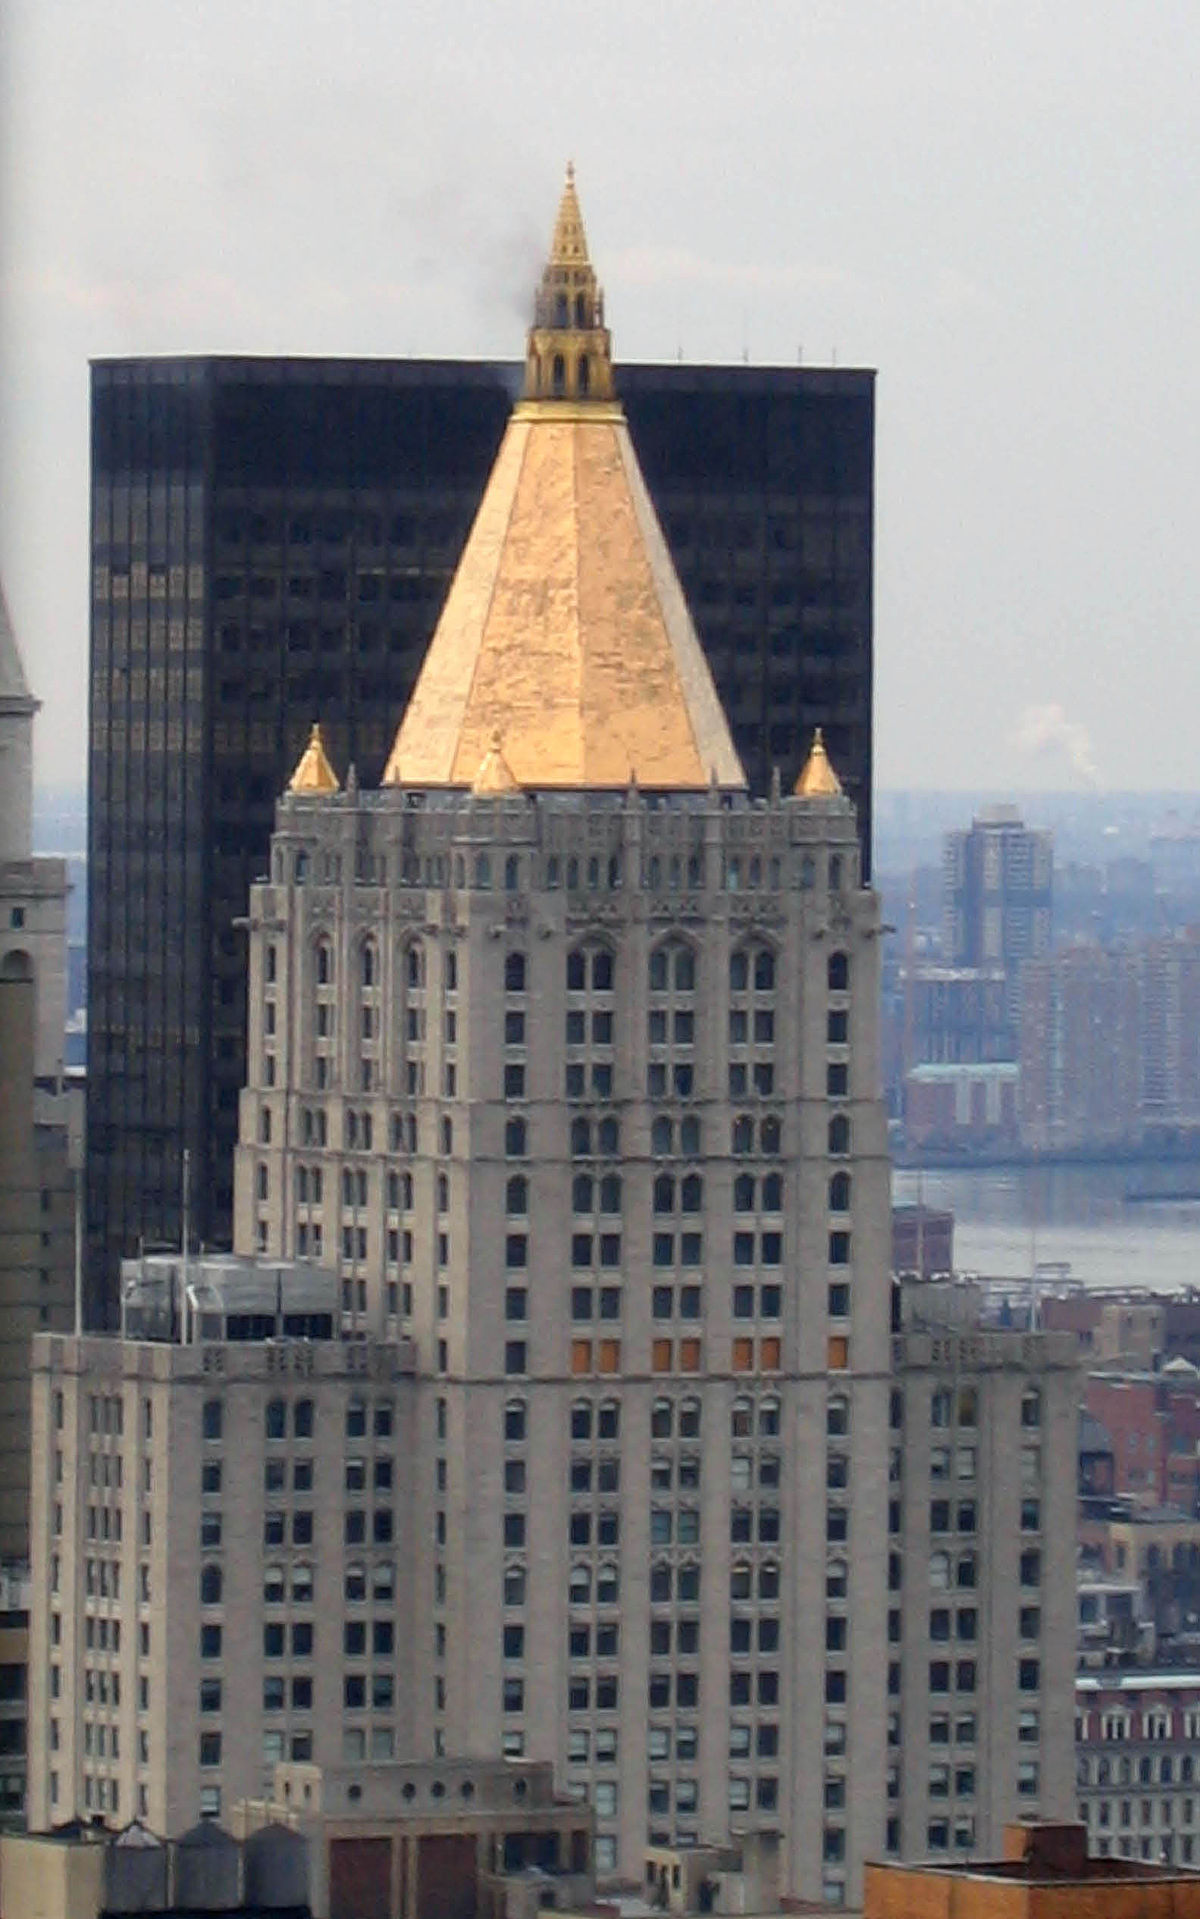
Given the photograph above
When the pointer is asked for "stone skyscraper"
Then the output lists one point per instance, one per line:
(566, 1051)
(35, 1187)
(563, 1054)
(36, 1209)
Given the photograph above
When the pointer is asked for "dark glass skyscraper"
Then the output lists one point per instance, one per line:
(271, 544)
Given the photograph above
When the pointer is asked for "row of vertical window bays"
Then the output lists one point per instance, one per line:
(754, 857)
(958, 1833)
(361, 1691)
(1159, 1848)
(588, 1304)
(591, 1194)
(960, 1623)
(681, 1795)
(590, 1137)
(1165, 1767)
(961, 1729)
(1174, 1809)
(607, 1358)
(101, 1794)
(667, 1638)
(396, 1247)
(295, 1419)
(946, 1676)
(590, 1198)
(591, 1032)
(322, 1071)
(673, 970)
(589, 1420)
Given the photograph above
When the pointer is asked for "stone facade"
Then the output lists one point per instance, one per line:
(206, 1585)
(981, 1629)
(578, 1096)
(582, 1096)
(36, 1210)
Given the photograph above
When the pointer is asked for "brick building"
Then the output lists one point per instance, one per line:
(956, 1108)
(1138, 1765)
(1046, 1872)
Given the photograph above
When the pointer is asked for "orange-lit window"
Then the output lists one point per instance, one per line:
(660, 1355)
(609, 1360)
(689, 1355)
(769, 1355)
(743, 1355)
(581, 1355)
(839, 1353)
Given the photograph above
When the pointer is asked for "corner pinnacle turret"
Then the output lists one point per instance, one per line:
(314, 770)
(569, 355)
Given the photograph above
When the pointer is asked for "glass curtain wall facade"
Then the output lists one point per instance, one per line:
(271, 544)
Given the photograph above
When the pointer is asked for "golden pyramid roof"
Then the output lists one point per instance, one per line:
(565, 630)
(314, 773)
(817, 780)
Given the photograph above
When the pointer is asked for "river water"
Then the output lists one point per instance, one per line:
(1006, 1219)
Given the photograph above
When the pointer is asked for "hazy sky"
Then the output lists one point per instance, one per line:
(996, 206)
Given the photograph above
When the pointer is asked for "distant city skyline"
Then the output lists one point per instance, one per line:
(992, 210)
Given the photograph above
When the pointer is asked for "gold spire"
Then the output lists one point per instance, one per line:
(314, 773)
(817, 780)
(569, 354)
(565, 632)
(495, 775)
(569, 246)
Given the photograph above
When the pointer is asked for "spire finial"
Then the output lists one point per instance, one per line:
(570, 352)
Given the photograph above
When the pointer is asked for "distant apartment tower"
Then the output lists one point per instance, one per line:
(997, 890)
(961, 1016)
(1110, 1043)
(272, 540)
